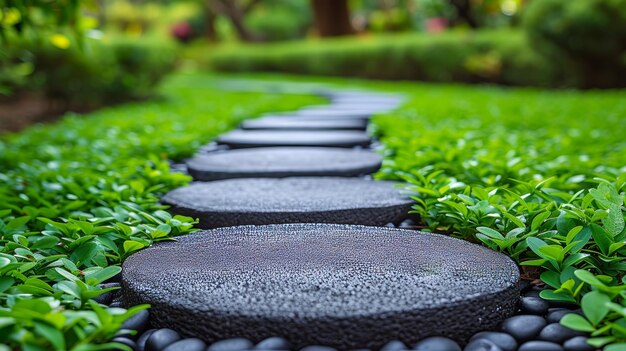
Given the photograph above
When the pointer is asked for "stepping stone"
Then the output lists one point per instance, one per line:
(225, 203)
(349, 287)
(258, 138)
(295, 123)
(279, 162)
(330, 112)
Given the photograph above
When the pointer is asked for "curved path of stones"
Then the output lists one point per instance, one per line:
(301, 248)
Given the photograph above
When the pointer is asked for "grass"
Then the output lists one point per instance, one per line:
(538, 175)
(79, 196)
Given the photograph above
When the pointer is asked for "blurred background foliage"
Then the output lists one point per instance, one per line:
(80, 54)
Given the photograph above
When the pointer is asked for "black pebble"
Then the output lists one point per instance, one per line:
(531, 293)
(556, 314)
(234, 344)
(141, 341)
(105, 298)
(540, 346)
(534, 305)
(138, 322)
(557, 333)
(186, 345)
(160, 339)
(394, 345)
(524, 286)
(437, 343)
(562, 304)
(273, 343)
(503, 340)
(578, 343)
(126, 341)
(482, 345)
(523, 327)
(318, 348)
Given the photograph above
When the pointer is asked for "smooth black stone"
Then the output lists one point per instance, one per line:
(126, 341)
(297, 123)
(138, 322)
(143, 338)
(523, 327)
(557, 333)
(540, 346)
(337, 285)
(503, 340)
(482, 345)
(273, 343)
(105, 298)
(160, 339)
(235, 202)
(578, 343)
(437, 343)
(233, 344)
(280, 162)
(524, 286)
(187, 345)
(534, 305)
(317, 348)
(259, 138)
(394, 345)
(531, 293)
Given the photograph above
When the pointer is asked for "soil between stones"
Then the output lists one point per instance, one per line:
(278, 162)
(337, 285)
(234, 202)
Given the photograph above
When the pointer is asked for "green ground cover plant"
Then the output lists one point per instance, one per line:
(78, 197)
(537, 175)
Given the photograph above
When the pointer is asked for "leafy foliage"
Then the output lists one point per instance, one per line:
(79, 197)
(537, 175)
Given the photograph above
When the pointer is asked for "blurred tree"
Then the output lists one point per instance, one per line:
(332, 17)
(464, 13)
(235, 11)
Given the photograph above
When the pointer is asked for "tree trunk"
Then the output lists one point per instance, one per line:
(236, 12)
(209, 24)
(332, 17)
(464, 12)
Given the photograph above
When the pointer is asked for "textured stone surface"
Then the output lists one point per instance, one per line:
(259, 138)
(295, 123)
(233, 202)
(331, 112)
(337, 285)
(278, 162)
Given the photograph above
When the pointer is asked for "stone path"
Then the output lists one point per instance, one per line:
(331, 281)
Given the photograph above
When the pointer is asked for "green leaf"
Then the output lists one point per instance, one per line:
(50, 333)
(490, 233)
(601, 238)
(539, 219)
(616, 347)
(594, 305)
(577, 322)
(102, 275)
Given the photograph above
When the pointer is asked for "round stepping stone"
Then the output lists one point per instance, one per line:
(258, 138)
(280, 162)
(338, 113)
(291, 123)
(233, 202)
(343, 286)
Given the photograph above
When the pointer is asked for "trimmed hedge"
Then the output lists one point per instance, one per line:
(500, 57)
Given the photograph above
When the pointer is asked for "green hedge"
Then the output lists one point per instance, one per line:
(501, 57)
(85, 74)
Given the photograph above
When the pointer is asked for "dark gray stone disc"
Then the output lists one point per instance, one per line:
(295, 123)
(225, 203)
(344, 286)
(259, 138)
(338, 113)
(279, 162)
